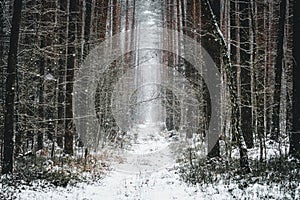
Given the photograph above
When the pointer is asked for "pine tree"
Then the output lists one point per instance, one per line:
(7, 163)
(295, 135)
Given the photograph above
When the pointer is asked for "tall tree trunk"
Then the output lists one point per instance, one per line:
(104, 15)
(41, 111)
(295, 135)
(69, 126)
(61, 75)
(2, 96)
(230, 73)
(278, 71)
(233, 49)
(215, 53)
(7, 163)
(87, 26)
(269, 15)
(246, 110)
(259, 67)
(1, 34)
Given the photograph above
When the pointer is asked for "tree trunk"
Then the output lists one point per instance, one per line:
(105, 10)
(213, 49)
(41, 109)
(7, 164)
(246, 110)
(295, 135)
(278, 71)
(2, 68)
(87, 27)
(230, 73)
(1, 35)
(69, 126)
(61, 75)
(259, 67)
(41, 112)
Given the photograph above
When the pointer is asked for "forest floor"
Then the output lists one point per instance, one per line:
(148, 170)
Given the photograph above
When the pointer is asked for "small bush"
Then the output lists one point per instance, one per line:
(280, 172)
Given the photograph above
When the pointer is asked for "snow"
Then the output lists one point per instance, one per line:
(49, 77)
(159, 185)
(147, 170)
(164, 184)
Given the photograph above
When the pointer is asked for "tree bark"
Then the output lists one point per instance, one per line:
(246, 110)
(213, 49)
(278, 71)
(260, 67)
(104, 15)
(231, 77)
(1, 32)
(7, 163)
(87, 27)
(41, 111)
(295, 135)
(69, 126)
(61, 75)
(2, 38)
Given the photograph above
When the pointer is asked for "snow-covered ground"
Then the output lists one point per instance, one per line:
(144, 171)
(147, 171)
(164, 185)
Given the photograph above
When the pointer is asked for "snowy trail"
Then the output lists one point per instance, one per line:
(145, 173)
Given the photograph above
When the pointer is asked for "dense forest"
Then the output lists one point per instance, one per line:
(212, 84)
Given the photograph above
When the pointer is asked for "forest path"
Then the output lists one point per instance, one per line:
(146, 170)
